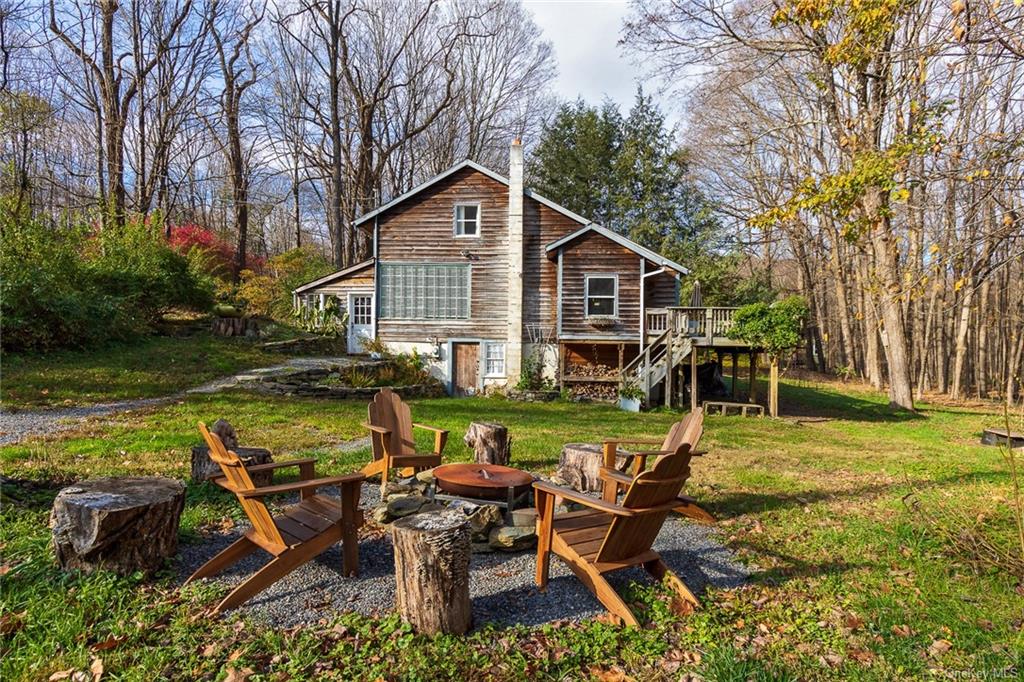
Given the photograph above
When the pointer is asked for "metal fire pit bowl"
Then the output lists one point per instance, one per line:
(482, 481)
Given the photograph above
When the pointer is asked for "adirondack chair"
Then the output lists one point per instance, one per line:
(390, 423)
(608, 537)
(300, 533)
(681, 441)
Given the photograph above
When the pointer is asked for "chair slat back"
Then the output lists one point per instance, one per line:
(629, 536)
(239, 479)
(686, 430)
(388, 411)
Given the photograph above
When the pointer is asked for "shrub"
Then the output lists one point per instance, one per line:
(68, 287)
(773, 328)
(269, 293)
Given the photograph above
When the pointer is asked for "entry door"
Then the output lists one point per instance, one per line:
(466, 372)
(360, 321)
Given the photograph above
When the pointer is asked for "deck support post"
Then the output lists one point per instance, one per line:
(773, 388)
(693, 379)
(561, 367)
(669, 367)
(753, 376)
(734, 355)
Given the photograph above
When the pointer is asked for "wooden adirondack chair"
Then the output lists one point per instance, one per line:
(608, 537)
(299, 534)
(390, 423)
(681, 441)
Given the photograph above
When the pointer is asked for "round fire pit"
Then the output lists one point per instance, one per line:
(484, 481)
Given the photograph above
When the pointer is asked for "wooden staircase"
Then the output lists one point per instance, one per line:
(651, 370)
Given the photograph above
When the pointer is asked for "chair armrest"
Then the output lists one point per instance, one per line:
(378, 429)
(429, 428)
(633, 441)
(440, 436)
(299, 486)
(614, 475)
(698, 453)
(586, 500)
(278, 465)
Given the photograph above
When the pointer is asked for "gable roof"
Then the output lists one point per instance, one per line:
(622, 241)
(455, 169)
(327, 279)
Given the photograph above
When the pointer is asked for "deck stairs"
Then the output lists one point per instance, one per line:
(650, 369)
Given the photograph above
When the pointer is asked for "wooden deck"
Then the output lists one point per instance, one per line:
(704, 326)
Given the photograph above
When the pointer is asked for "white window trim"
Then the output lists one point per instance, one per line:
(586, 295)
(504, 359)
(455, 220)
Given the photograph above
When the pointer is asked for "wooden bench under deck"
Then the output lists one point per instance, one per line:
(725, 406)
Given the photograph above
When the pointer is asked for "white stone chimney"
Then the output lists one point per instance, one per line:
(514, 341)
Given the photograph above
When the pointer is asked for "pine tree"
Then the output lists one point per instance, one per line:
(574, 162)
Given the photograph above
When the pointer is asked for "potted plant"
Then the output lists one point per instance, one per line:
(630, 397)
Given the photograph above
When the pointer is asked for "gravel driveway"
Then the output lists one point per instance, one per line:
(22, 424)
(501, 584)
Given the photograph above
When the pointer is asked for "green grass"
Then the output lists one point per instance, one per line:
(152, 367)
(848, 583)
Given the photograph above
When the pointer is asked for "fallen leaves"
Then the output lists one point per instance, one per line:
(902, 630)
(12, 622)
(939, 647)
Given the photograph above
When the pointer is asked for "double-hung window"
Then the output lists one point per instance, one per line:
(424, 291)
(467, 220)
(602, 295)
(494, 359)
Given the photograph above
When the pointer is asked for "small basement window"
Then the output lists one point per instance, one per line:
(602, 295)
(467, 220)
(494, 359)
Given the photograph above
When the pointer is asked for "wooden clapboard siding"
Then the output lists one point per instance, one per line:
(361, 281)
(660, 290)
(541, 226)
(593, 254)
(419, 230)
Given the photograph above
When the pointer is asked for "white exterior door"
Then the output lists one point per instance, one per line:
(360, 321)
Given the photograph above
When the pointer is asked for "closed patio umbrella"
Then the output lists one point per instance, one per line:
(696, 298)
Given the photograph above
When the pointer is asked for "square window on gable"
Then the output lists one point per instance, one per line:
(467, 220)
(602, 295)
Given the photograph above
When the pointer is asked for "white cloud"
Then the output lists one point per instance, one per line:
(585, 37)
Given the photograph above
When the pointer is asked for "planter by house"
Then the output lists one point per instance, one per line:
(629, 404)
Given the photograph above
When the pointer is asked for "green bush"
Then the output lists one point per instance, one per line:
(68, 287)
(773, 328)
(269, 293)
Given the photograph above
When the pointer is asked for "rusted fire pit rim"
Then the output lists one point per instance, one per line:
(486, 481)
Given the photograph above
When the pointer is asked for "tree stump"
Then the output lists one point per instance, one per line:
(579, 465)
(432, 571)
(119, 524)
(490, 443)
(203, 468)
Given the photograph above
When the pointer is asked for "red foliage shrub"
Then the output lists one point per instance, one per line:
(190, 236)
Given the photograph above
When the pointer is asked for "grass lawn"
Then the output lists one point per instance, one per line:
(848, 583)
(152, 367)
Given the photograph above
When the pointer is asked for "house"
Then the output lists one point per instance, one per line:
(487, 280)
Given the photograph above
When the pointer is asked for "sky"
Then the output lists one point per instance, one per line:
(585, 36)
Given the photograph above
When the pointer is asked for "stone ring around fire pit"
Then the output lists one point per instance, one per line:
(491, 482)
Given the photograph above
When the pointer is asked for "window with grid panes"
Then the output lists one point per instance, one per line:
(414, 291)
(467, 220)
(494, 359)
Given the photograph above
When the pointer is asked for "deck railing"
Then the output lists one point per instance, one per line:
(700, 323)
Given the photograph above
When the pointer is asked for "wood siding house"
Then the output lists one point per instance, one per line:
(476, 273)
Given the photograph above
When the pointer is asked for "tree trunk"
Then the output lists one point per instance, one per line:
(118, 524)
(432, 552)
(579, 465)
(490, 443)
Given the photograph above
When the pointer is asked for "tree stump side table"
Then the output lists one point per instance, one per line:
(119, 524)
(580, 464)
(432, 571)
(490, 443)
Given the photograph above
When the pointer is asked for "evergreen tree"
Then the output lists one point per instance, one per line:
(575, 160)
